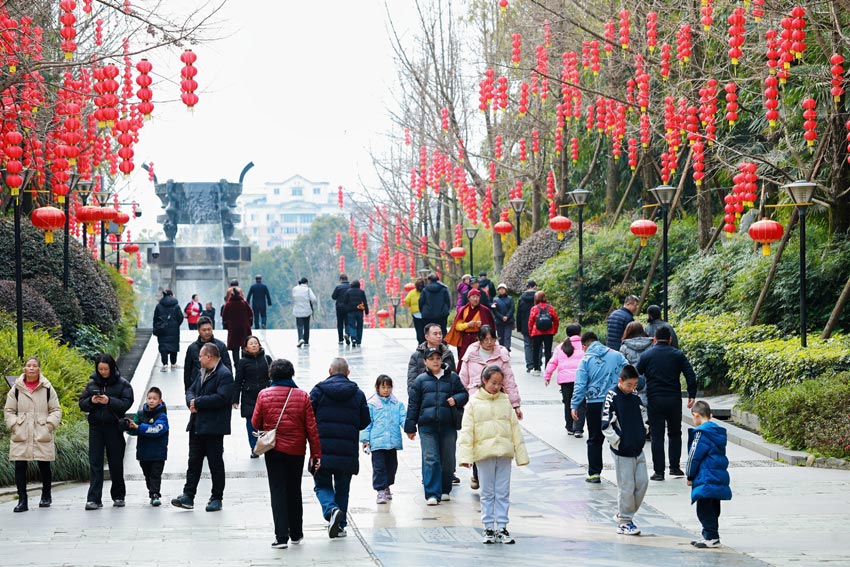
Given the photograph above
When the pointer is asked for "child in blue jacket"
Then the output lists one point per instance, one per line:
(150, 424)
(383, 436)
(706, 472)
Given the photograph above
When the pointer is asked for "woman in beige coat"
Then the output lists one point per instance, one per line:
(32, 415)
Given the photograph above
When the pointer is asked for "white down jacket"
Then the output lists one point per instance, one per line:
(490, 429)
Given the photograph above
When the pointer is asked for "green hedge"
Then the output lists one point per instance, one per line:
(705, 340)
(758, 367)
(812, 415)
(72, 455)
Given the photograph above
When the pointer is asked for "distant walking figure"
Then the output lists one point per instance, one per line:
(259, 297)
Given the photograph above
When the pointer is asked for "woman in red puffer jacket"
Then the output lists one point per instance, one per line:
(285, 462)
(542, 329)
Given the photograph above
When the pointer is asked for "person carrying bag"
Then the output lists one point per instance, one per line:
(266, 439)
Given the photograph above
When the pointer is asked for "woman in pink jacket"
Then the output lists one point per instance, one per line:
(565, 362)
(487, 351)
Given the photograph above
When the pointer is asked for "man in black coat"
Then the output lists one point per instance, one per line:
(618, 320)
(486, 286)
(259, 297)
(167, 318)
(523, 311)
(435, 303)
(338, 295)
(341, 413)
(209, 401)
(662, 364)
(192, 363)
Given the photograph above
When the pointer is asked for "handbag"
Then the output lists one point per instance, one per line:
(266, 439)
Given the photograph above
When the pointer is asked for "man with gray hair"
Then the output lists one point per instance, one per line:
(341, 413)
(209, 402)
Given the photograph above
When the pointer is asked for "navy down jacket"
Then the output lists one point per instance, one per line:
(341, 412)
(428, 400)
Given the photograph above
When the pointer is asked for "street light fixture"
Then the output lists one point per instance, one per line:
(664, 195)
(579, 197)
(423, 273)
(102, 199)
(395, 300)
(801, 194)
(471, 233)
(518, 205)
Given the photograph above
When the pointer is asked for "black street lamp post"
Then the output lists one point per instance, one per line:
(27, 175)
(395, 300)
(664, 196)
(801, 194)
(579, 197)
(102, 199)
(73, 183)
(471, 233)
(518, 205)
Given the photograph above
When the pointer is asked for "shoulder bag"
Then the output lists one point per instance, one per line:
(266, 439)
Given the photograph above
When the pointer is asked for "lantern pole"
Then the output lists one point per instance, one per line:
(471, 233)
(518, 205)
(801, 194)
(72, 186)
(664, 195)
(579, 197)
(102, 198)
(27, 174)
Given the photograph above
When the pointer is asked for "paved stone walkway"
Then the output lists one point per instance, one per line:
(780, 515)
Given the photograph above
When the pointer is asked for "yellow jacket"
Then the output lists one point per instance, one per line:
(411, 301)
(490, 429)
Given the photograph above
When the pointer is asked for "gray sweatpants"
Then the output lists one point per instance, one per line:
(632, 481)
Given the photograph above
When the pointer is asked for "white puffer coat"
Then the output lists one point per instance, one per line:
(31, 418)
(490, 429)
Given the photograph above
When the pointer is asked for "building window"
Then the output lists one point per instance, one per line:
(307, 218)
(290, 230)
(290, 218)
(297, 191)
(270, 230)
(277, 190)
(317, 190)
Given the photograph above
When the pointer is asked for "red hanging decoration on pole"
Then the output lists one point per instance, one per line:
(188, 84)
(144, 93)
(837, 72)
(810, 122)
(68, 32)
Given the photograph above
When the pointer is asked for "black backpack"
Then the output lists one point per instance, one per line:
(544, 319)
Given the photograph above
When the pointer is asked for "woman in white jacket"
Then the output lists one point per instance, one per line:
(303, 303)
(491, 437)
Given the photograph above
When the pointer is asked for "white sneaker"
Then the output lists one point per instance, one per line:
(706, 543)
(628, 529)
(164, 369)
(432, 502)
(342, 533)
(445, 498)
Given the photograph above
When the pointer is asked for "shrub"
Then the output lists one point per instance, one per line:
(72, 456)
(705, 341)
(65, 304)
(35, 308)
(531, 254)
(758, 367)
(125, 331)
(90, 342)
(812, 415)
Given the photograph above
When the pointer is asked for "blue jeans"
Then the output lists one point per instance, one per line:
(332, 491)
(252, 441)
(438, 459)
(354, 325)
(527, 346)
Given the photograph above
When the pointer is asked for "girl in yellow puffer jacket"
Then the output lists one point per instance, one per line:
(491, 437)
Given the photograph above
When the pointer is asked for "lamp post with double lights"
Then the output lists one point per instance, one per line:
(801, 194)
(579, 197)
(518, 205)
(471, 233)
(664, 195)
(27, 175)
(102, 199)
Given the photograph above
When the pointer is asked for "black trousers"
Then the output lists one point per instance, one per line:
(260, 318)
(21, 478)
(441, 321)
(384, 467)
(111, 439)
(303, 326)
(284, 472)
(594, 438)
(193, 326)
(419, 326)
(538, 341)
(340, 323)
(166, 355)
(575, 426)
(153, 476)
(211, 447)
(234, 355)
(708, 513)
(665, 412)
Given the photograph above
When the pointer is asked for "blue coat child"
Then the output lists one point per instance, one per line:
(707, 462)
(150, 424)
(388, 415)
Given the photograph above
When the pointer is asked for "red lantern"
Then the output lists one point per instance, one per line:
(810, 123)
(121, 218)
(457, 253)
(88, 215)
(188, 84)
(503, 5)
(560, 224)
(382, 314)
(409, 286)
(48, 219)
(503, 227)
(130, 280)
(765, 232)
(643, 229)
(131, 248)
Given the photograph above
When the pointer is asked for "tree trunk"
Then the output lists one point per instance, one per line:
(498, 251)
(772, 273)
(536, 200)
(611, 186)
(704, 217)
(836, 311)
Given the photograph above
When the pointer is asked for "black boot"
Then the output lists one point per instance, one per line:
(46, 500)
(22, 503)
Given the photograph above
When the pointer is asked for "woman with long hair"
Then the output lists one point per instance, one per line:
(565, 362)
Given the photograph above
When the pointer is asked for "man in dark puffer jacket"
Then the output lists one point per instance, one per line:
(618, 320)
(192, 365)
(341, 412)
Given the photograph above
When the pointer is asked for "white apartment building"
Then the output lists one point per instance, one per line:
(278, 211)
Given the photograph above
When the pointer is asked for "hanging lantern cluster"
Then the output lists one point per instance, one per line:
(523, 99)
(664, 66)
(684, 44)
(105, 87)
(651, 31)
(68, 32)
(444, 119)
(342, 264)
(13, 151)
(125, 140)
(145, 94)
(458, 251)
(610, 36)
(625, 25)
(188, 84)
(707, 15)
(516, 49)
(731, 103)
(771, 99)
(736, 21)
(757, 9)
(798, 33)
(766, 232)
(837, 71)
(810, 123)
(643, 229)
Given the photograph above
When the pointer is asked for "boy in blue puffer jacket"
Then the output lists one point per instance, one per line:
(383, 436)
(150, 424)
(707, 473)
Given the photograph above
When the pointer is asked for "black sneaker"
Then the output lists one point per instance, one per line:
(278, 545)
(93, 505)
(45, 502)
(118, 503)
(214, 505)
(657, 476)
(334, 527)
(184, 501)
(455, 479)
(677, 472)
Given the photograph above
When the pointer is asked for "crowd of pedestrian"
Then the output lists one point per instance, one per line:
(465, 408)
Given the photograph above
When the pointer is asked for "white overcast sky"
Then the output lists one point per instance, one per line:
(297, 87)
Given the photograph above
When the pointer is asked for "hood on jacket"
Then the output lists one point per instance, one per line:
(338, 387)
(111, 379)
(260, 354)
(145, 410)
(377, 401)
(434, 287)
(714, 433)
(424, 346)
(638, 344)
(168, 301)
(597, 349)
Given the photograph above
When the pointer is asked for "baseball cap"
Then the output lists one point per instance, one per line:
(501, 285)
(482, 273)
(531, 283)
(431, 351)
